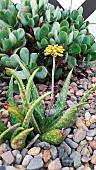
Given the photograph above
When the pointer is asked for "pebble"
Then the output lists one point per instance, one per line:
(34, 151)
(1, 162)
(55, 165)
(89, 138)
(24, 152)
(26, 160)
(8, 157)
(87, 106)
(44, 145)
(73, 98)
(7, 168)
(46, 155)
(81, 167)
(79, 93)
(76, 156)
(18, 159)
(15, 152)
(5, 147)
(92, 144)
(60, 152)
(93, 159)
(85, 152)
(66, 161)
(70, 103)
(93, 119)
(66, 168)
(80, 124)
(87, 116)
(35, 164)
(71, 143)
(91, 133)
(66, 148)
(53, 152)
(79, 135)
(85, 159)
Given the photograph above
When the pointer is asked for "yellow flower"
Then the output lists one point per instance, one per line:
(54, 51)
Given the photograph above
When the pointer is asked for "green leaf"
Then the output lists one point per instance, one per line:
(7, 44)
(93, 48)
(37, 34)
(70, 39)
(48, 15)
(64, 28)
(42, 73)
(12, 38)
(83, 48)
(44, 31)
(86, 40)
(87, 59)
(5, 61)
(33, 57)
(93, 56)
(63, 37)
(72, 61)
(14, 60)
(24, 55)
(74, 49)
(74, 14)
(80, 10)
(64, 23)
(44, 42)
(55, 26)
(4, 24)
(2, 127)
(21, 33)
(31, 22)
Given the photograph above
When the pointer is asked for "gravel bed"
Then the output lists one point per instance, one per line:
(76, 152)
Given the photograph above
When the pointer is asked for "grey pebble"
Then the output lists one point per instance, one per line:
(66, 168)
(91, 133)
(53, 152)
(35, 164)
(76, 156)
(44, 145)
(1, 162)
(81, 168)
(24, 152)
(71, 143)
(26, 160)
(18, 159)
(66, 148)
(15, 152)
(5, 147)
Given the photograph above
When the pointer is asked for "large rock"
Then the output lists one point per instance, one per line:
(8, 157)
(35, 164)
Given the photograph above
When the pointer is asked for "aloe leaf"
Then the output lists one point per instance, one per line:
(60, 103)
(14, 110)
(16, 132)
(6, 132)
(53, 137)
(18, 142)
(30, 115)
(2, 127)
(13, 120)
(85, 97)
(21, 88)
(29, 84)
(68, 118)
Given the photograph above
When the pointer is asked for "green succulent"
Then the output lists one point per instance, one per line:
(31, 120)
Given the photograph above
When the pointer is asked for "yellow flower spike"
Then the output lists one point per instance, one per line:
(54, 51)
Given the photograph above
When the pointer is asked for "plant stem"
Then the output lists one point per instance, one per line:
(53, 71)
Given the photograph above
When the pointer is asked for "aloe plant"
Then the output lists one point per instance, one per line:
(31, 120)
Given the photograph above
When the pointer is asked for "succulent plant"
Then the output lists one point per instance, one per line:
(32, 118)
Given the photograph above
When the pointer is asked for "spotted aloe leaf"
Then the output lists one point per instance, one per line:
(32, 90)
(14, 110)
(53, 137)
(68, 118)
(13, 119)
(6, 132)
(18, 142)
(85, 97)
(2, 127)
(30, 115)
(61, 101)
(21, 88)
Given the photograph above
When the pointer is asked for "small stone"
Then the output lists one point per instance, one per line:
(44, 145)
(24, 152)
(85, 159)
(80, 124)
(93, 159)
(70, 103)
(76, 156)
(79, 135)
(93, 119)
(79, 93)
(26, 160)
(60, 152)
(53, 152)
(87, 116)
(66, 148)
(18, 159)
(20, 167)
(73, 98)
(1, 149)
(87, 106)
(93, 125)
(71, 143)
(1, 162)
(85, 152)
(55, 165)
(15, 152)
(66, 161)
(93, 80)
(5, 147)
(34, 151)
(46, 156)
(8, 157)
(89, 138)
(35, 164)
(91, 132)
(81, 168)
(9, 168)
(92, 144)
